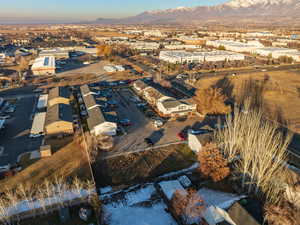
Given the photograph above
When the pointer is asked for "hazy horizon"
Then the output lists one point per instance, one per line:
(67, 11)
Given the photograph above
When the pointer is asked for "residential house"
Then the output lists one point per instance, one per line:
(196, 141)
(172, 107)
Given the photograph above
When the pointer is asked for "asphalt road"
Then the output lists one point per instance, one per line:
(14, 137)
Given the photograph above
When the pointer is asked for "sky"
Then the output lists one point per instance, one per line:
(83, 10)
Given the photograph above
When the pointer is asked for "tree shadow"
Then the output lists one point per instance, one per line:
(226, 87)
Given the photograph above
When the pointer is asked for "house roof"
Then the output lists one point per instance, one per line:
(172, 102)
(95, 117)
(204, 138)
(56, 92)
(241, 216)
(58, 112)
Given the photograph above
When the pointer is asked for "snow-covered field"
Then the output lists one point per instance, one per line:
(137, 207)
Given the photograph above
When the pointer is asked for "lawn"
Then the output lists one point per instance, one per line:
(282, 92)
(137, 167)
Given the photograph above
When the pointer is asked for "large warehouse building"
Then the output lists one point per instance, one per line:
(43, 66)
(199, 57)
(236, 46)
(57, 53)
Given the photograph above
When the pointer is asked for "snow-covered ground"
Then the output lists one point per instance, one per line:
(137, 207)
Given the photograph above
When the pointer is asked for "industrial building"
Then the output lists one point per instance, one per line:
(274, 52)
(43, 66)
(57, 53)
(58, 95)
(38, 123)
(180, 47)
(98, 122)
(236, 46)
(59, 120)
(98, 125)
(145, 46)
(199, 57)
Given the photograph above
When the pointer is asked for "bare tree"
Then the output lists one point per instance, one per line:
(259, 150)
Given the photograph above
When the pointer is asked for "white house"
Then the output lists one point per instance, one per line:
(170, 106)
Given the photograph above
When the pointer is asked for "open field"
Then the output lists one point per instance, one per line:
(69, 161)
(126, 169)
(281, 91)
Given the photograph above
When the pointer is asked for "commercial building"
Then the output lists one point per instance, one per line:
(59, 95)
(199, 57)
(236, 46)
(57, 53)
(154, 33)
(180, 47)
(59, 120)
(43, 66)
(173, 107)
(145, 46)
(165, 105)
(274, 52)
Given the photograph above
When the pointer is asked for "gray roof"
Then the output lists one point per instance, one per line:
(84, 89)
(204, 138)
(141, 84)
(171, 103)
(59, 92)
(241, 216)
(58, 112)
(95, 117)
(89, 101)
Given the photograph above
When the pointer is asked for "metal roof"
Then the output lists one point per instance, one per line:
(59, 112)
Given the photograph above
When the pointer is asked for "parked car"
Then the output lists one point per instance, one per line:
(158, 123)
(5, 117)
(149, 141)
(10, 109)
(35, 135)
(182, 136)
(199, 131)
(125, 122)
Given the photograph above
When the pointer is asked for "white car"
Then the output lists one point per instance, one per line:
(35, 135)
(158, 123)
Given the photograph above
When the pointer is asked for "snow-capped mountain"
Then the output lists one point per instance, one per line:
(234, 11)
(249, 3)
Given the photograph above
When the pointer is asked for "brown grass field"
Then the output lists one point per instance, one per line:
(282, 91)
(70, 161)
(137, 167)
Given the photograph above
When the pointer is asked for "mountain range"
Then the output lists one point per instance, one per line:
(234, 11)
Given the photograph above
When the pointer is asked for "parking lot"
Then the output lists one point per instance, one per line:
(15, 136)
(141, 126)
